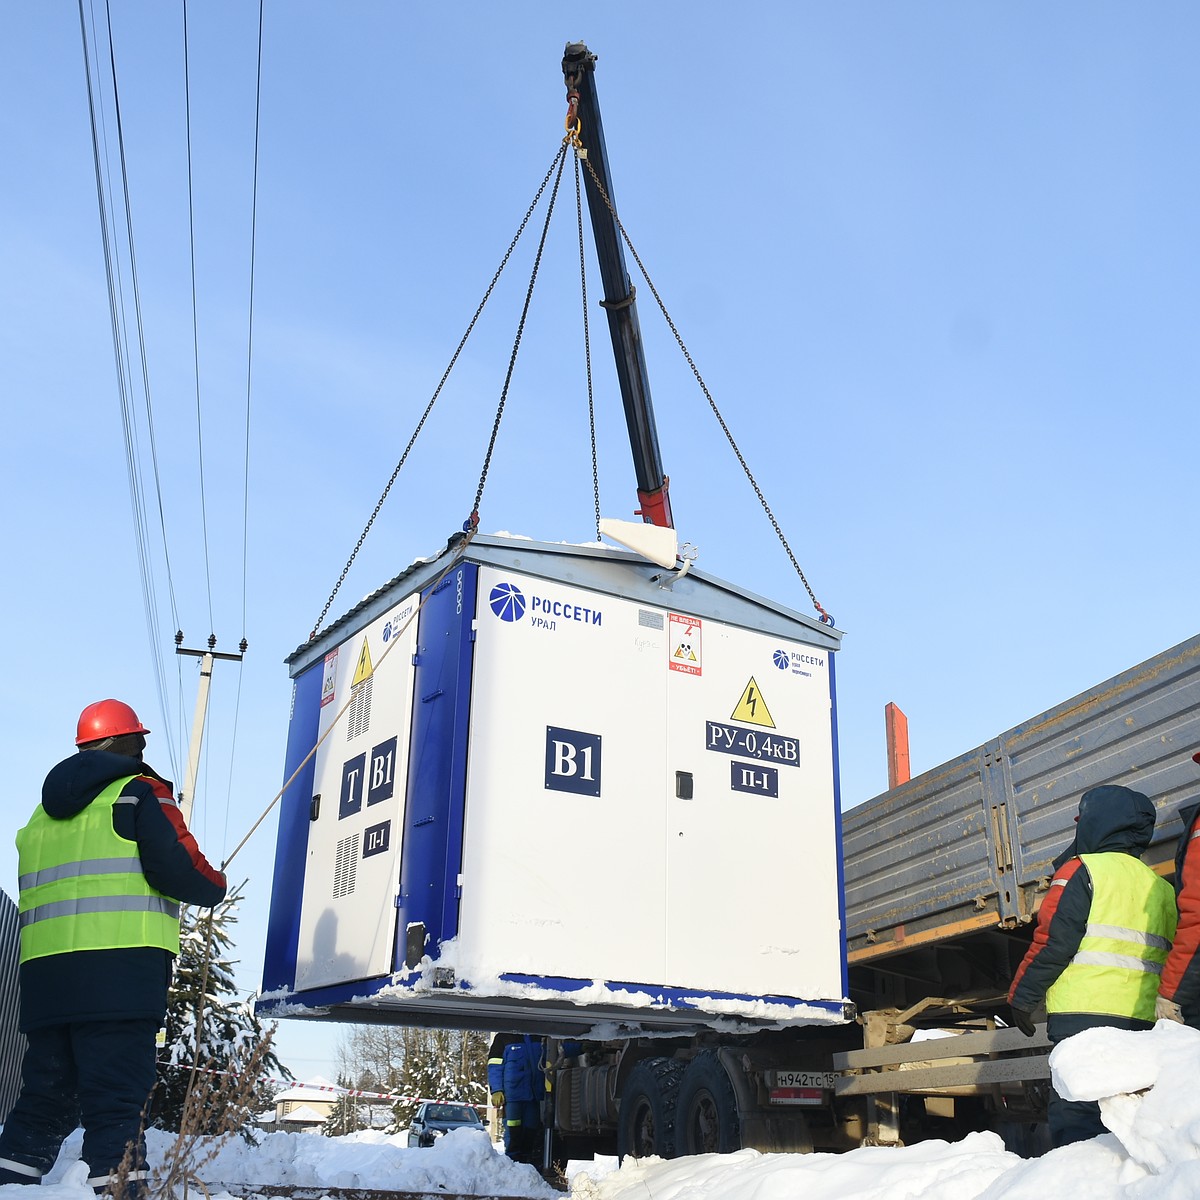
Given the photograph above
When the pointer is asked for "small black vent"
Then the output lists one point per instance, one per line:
(346, 868)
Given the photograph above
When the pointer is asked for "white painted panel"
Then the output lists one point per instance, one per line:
(348, 917)
(563, 876)
(752, 895)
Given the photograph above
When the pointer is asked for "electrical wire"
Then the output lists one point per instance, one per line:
(237, 704)
(250, 316)
(121, 354)
(187, 92)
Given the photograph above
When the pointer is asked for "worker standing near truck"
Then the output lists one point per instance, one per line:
(1103, 933)
(105, 862)
(1179, 988)
(517, 1080)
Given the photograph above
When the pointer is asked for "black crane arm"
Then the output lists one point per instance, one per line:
(619, 303)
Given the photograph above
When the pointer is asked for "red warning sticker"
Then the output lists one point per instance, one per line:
(684, 644)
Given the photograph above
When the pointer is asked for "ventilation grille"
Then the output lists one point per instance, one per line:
(360, 709)
(346, 868)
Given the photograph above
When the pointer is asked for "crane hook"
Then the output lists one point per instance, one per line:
(572, 124)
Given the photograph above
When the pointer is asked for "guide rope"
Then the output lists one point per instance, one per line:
(573, 131)
(459, 551)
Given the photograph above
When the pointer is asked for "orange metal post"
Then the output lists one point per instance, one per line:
(899, 770)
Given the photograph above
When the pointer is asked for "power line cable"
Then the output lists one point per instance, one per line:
(250, 316)
(120, 341)
(237, 704)
(187, 92)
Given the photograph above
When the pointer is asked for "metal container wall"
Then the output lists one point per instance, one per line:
(971, 843)
(547, 809)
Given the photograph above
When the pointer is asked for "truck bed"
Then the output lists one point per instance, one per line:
(969, 845)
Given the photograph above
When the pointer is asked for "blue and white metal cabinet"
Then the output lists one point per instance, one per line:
(565, 785)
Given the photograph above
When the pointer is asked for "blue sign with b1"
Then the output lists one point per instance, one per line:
(572, 761)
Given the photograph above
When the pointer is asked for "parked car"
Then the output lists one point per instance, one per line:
(434, 1118)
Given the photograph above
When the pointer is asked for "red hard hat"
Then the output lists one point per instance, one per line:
(107, 718)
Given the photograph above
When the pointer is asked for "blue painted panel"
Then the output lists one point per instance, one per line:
(431, 857)
(837, 818)
(365, 995)
(291, 847)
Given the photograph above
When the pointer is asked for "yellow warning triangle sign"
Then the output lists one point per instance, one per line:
(364, 670)
(752, 708)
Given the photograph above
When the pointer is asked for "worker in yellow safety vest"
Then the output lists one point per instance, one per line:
(104, 863)
(1103, 933)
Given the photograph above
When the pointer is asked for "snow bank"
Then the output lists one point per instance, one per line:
(1147, 1087)
(464, 1160)
(1146, 1084)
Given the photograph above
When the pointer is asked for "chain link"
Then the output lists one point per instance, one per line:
(587, 344)
(512, 359)
(826, 618)
(438, 390)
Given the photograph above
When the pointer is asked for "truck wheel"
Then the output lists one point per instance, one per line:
(646, 1121)
(707, 1118)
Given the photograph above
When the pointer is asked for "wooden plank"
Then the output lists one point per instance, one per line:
(939, 933)
(985, 1073)
(959, 1046)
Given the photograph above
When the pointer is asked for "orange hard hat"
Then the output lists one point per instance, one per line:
(107, 718)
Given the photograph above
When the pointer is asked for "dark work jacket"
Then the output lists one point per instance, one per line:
(1111, 819)
(1181, 975)
(111, 985)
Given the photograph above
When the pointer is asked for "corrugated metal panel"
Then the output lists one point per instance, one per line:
(12, 1043)
(973, 838)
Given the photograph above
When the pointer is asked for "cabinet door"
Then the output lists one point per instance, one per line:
(752, 876)
(564, 862)
(348, 917)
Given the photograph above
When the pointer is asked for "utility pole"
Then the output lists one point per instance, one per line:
(206, 657)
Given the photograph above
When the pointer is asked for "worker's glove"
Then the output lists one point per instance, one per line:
(497, 1099)
(1167, 1010)
(1024, 1021)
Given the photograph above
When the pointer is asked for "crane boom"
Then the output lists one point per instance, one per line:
(619, 302)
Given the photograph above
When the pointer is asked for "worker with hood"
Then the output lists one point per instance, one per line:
(1103, 933)
(105, 861)
(1179, 988)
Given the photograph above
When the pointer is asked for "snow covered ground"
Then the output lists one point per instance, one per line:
(1146, 1084)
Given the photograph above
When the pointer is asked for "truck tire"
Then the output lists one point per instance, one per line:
(707, 1115)
(646, 1121)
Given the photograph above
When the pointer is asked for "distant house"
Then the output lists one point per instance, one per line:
(304, 1108)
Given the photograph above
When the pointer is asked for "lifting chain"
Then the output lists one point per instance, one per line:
(474, 521)
(572, 124)
(587, 341)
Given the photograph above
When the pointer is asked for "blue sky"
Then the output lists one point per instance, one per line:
(937, 263)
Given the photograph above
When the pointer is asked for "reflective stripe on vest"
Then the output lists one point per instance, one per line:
(82, 886)
(1120, 957)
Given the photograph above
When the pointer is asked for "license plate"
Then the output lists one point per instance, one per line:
(803, 1079)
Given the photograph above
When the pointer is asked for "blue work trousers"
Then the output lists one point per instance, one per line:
(99, 1073)
(523, 1131)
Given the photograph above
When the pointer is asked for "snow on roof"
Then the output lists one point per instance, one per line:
(304, 1114)
(316, 1088)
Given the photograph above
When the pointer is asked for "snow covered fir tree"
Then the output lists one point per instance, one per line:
(411, 1063)
(441, 1064)
(209, 1026)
